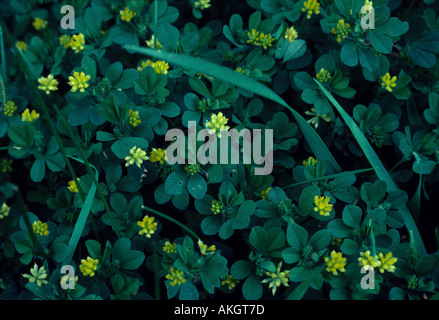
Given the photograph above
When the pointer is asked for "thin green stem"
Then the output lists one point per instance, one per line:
(178, 223)
(3, 56)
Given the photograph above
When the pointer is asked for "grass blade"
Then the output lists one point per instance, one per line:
(316, 144)
(380, 170)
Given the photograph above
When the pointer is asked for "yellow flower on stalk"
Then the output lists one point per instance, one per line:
(176, 276)
(134, 117)
(157, 155)
(9, 108)
(72, 186)
(148, 225)
(39, 24)
(259, 39)
(335, 263)
(89, 266)
(29, 116)
(77, 42)
(387, 262)
(127, 14)
(323, 75)
(217, 123)
(170, 247)
(341, 30)
(48, 84)
(216, 207)
(291, 34)
(192, 168)
(136, 156)
(202, 4)
(367, 261)
(79, 81)
(21, 45)
(322, 205)
(151, 43)
(388, 82)
(310, 162)
(40, 228)
(277, 278)
(37, 275)
(6, 165)
(311, 7)
(230, 281)
(204, 249)
(4, 210)
(264, 193)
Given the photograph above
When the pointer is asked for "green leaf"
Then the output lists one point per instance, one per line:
(380, 42)
(242, 269)
(168, 35)
(132, 260)
(175, 183)
(297, 236)
(339, 229)
(94, 248)
(349, 55)
(352, 216)
(197, 186)
(38, 170)
(252, 288)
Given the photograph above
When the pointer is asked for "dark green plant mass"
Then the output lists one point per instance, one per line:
(92, 205)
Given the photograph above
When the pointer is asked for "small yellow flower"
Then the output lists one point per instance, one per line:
(412, 282)
(40, 228)
(160, 67)
(316, 117)
(388, 82)
(341, 30)
(157, 155)
(79, 81)
(65, 280)
(216, 207)
(230, 281)
(89, 266)
(38, 275)
(192, 168)
(64, 41)
(264, 193)
(368, 5)
(277, 278)
(21, 45)
(176, 276)
(170, 247)
(151, 43)
(291, 34)
(134, 117)
(48, 84)
(127, 14)
(310, 162)
(322, 205)
(136, 156)
(311, 7)
(335, 263)
(336, 241)
(367, 261)
(148, 225)
(240, 70)
(29, 116)
(204, 249)
(202, 4)
(387, 262)
(259, 39)
(9, 108)
(72, 186)
(6, 165)
(77, 42)
(4, 211)
(217, 123)
(323, 75)
(39, 24)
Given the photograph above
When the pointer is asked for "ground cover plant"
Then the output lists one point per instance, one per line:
(340, 96)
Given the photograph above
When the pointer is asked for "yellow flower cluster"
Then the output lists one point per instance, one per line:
(9, 108)
(151, 43)
(157, 155)
(264, 193)
(148, 225)
(335, 263)
(259, 39)
(77, 42)
(48, 84)
(291, 34)
(79, 81)
(240, 70)
(170, 247)
(29, 116)
(72, 186)
(40, 228)
(136, 156)
(21, 45)
(6, 165)
(217, 123)
(388, 82)
(202, 4)
(322, 205)
(204, 249)
(89, 266)
(38, 275)
(277, 278)
(39, 24)
(4, 210)
(230, 281)
(311, 7)
(310, 162)
(134, 117)
(176, 276)
(323, 75)
(381, 261)
(127, 14)
(341, 30)
(192, 168)
(160, 67)
(216, 207)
